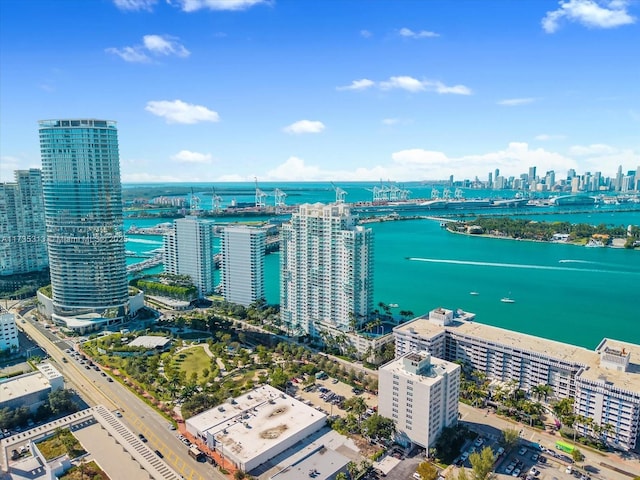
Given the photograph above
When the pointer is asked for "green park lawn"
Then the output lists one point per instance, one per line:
(192, 360)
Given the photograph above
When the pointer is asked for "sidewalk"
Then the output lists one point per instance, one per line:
(592, 457)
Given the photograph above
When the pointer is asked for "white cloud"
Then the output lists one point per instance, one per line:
(358, 85)
(590, 13)
(455, 89)
(129, 54)
(156, 45)
(390, 121)
(407, 33)
(304, 126)
(164, 45)
(545, 137)
(366, 34)
(403, 82)
(177, 111)
(515, 159)
(596, 149)
(135, 4)
(403, 165)
(410, 84)
(193, 5)
(187, 156)
(414, 85)
(515, 102)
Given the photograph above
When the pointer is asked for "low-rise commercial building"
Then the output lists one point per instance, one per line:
(605, 383)
(420, 394)
(31, 389)
(255, 427)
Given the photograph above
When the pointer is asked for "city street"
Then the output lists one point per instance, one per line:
(489, 425)
(140, 417)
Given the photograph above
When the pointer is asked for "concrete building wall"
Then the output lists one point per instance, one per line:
(23, 246)
(188, 250)
(605, 384)
(8, 331)
(421, 401)
(326, 266)
(242, 269)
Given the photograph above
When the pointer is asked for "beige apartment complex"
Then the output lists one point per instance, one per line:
(605, 383)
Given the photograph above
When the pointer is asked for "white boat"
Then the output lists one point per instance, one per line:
(507, 300)
(474, 293)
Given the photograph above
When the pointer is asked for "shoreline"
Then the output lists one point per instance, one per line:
(499, 237)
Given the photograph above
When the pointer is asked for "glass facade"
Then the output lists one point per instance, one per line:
(83, 215)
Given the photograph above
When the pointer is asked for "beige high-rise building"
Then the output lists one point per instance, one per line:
(420, 394)
(326, 269)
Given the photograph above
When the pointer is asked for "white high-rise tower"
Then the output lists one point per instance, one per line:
(326, 267)
(242, 268)
(188, 250)
(23, 247)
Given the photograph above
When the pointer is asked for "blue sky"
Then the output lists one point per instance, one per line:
(289, 90)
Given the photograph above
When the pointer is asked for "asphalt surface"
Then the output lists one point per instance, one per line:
(136, 414)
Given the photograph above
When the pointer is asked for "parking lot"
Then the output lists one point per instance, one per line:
(324, 395)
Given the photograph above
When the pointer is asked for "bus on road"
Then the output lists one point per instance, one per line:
(194, 452)
(565, 447)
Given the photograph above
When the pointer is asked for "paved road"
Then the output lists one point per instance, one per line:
(491, 425)
(140, 417)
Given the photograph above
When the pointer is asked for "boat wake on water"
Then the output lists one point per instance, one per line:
(518, 265)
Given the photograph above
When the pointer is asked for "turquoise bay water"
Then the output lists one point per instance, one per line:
(567, 293)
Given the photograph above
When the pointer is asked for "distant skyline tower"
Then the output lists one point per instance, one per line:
(83, 215)
(242, 269)
(326, 269)
(188, 250)
(532, 174)
(23, 247)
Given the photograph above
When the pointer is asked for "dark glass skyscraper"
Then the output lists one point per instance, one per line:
(83, 215)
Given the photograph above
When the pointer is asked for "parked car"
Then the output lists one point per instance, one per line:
(142, 437)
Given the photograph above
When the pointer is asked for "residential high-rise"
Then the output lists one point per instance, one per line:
(326, 269)
(83, 215)
(605, 383)
(23, 247)
(242, 264)
(420, 394)
(8, 331)
(188, 250)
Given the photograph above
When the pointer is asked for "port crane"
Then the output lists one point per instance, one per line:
(194, 203)
(340, 193)
(280, 197)
(216, 201)
(260, 196)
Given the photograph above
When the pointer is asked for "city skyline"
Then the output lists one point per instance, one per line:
(231, 90)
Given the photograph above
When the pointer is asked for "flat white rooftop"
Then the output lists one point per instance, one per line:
(498, 338)
(255, 422)
(629, 380)
(49, 371)
(322, 464)
(431, 375)
(150, 341)
(26, 384)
